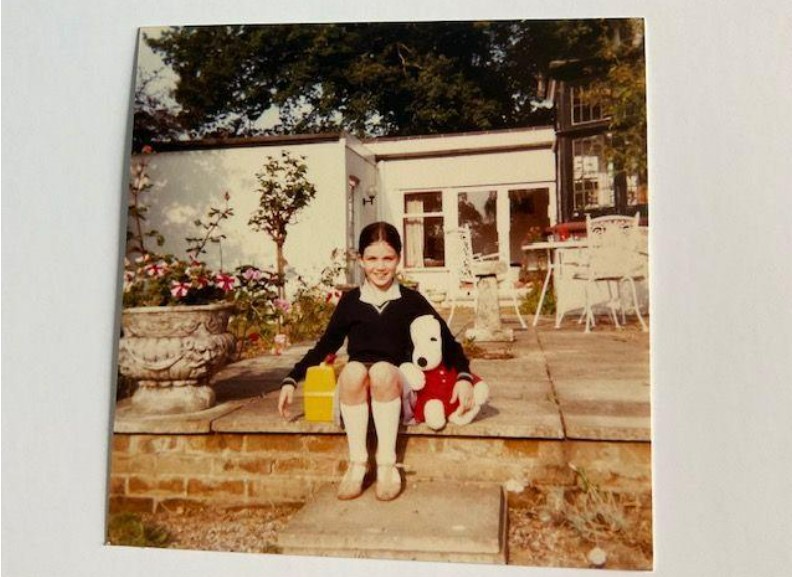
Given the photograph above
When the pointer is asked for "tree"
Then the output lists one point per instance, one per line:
(153, 118)
(401, 79)
(283, 191)
(369, 79)
(624, 91)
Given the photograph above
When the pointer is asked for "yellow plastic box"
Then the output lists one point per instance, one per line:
(318, 391)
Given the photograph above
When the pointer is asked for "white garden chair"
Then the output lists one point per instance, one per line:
(613, 257)
(462, 281)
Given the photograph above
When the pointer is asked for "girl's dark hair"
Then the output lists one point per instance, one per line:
(379, 231)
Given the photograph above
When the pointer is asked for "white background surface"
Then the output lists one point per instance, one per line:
(720, 77)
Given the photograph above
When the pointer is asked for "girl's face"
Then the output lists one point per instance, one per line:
(379, 263)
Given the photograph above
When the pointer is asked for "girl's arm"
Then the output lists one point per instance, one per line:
(453, 353)
(330, 342)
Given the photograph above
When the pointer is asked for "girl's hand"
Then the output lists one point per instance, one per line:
(285, 400)
(463, 391)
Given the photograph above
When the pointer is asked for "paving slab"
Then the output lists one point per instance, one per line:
(427, 522)
(600, 427)
(256, 376)
(559, 383)
(601, 389)
(601, 382)
(127, 420)
(260, 415)
(501, 418)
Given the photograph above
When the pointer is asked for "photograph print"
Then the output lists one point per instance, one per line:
(385, 294)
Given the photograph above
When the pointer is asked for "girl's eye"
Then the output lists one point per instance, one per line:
(433, 339)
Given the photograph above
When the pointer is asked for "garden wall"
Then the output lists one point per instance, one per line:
(176, 471)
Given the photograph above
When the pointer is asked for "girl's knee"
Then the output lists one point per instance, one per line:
(385, 382)
(353, 378)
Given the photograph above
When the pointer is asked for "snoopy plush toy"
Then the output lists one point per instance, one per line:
(433, 382)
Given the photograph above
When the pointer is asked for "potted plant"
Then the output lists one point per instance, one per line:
(176, 312)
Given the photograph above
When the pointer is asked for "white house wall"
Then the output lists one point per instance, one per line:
(457, 162)
(187, 183)
(361, 165)
(471, 170)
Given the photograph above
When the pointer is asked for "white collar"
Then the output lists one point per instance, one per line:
(374, 296)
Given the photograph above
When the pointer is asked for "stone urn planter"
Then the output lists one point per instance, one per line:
(172, 352)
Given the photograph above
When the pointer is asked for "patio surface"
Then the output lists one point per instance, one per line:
(561, 383)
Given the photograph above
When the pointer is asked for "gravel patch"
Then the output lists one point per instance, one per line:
(241, 530)
(548, 527)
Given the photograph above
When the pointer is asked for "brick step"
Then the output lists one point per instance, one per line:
(429, 521)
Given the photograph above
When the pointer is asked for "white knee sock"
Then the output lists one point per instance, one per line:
(386, 422)
(356, 424)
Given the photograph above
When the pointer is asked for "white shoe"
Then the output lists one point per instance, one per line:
(389, 482)
(351, 486)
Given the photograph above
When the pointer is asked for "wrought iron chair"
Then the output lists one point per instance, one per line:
(613, 256)
(461, 280)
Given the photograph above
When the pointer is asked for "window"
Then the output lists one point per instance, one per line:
(636, 190)
(586, 105)
(527, 218)
(424, 238)
(478, 211)
(592, 174)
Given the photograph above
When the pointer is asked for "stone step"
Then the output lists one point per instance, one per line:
(429, 521)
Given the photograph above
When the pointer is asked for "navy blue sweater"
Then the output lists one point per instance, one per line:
(378, 336)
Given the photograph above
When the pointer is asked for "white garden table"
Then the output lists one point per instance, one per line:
(562, 259)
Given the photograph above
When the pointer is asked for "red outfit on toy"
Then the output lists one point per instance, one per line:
(439, 385)
(432, 377)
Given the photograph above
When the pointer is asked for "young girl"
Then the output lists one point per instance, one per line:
(375, 319)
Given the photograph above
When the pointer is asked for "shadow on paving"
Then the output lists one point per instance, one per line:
(558, 383)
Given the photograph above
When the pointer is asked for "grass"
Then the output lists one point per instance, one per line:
(129, 530)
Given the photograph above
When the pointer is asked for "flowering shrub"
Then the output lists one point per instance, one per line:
(151, 279)
(313, 305)
(304, 318)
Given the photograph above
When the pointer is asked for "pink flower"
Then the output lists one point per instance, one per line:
(179, 289)
(333, 297)
(283, 305)
(252, 273)
(129, 280)
(201, 282)
(224, 281)
(157, 269)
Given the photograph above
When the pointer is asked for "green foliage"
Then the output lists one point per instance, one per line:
(255, 313)
(370, 79)
(594, 513)
(623, 91)
(196, 246)
(265, 315)
(399, 79)
(139, 185)
(284, 190)
(151, 279)
(309, 315)
(154, 117)
(530, 301)
(129, 530)
(313, 305)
